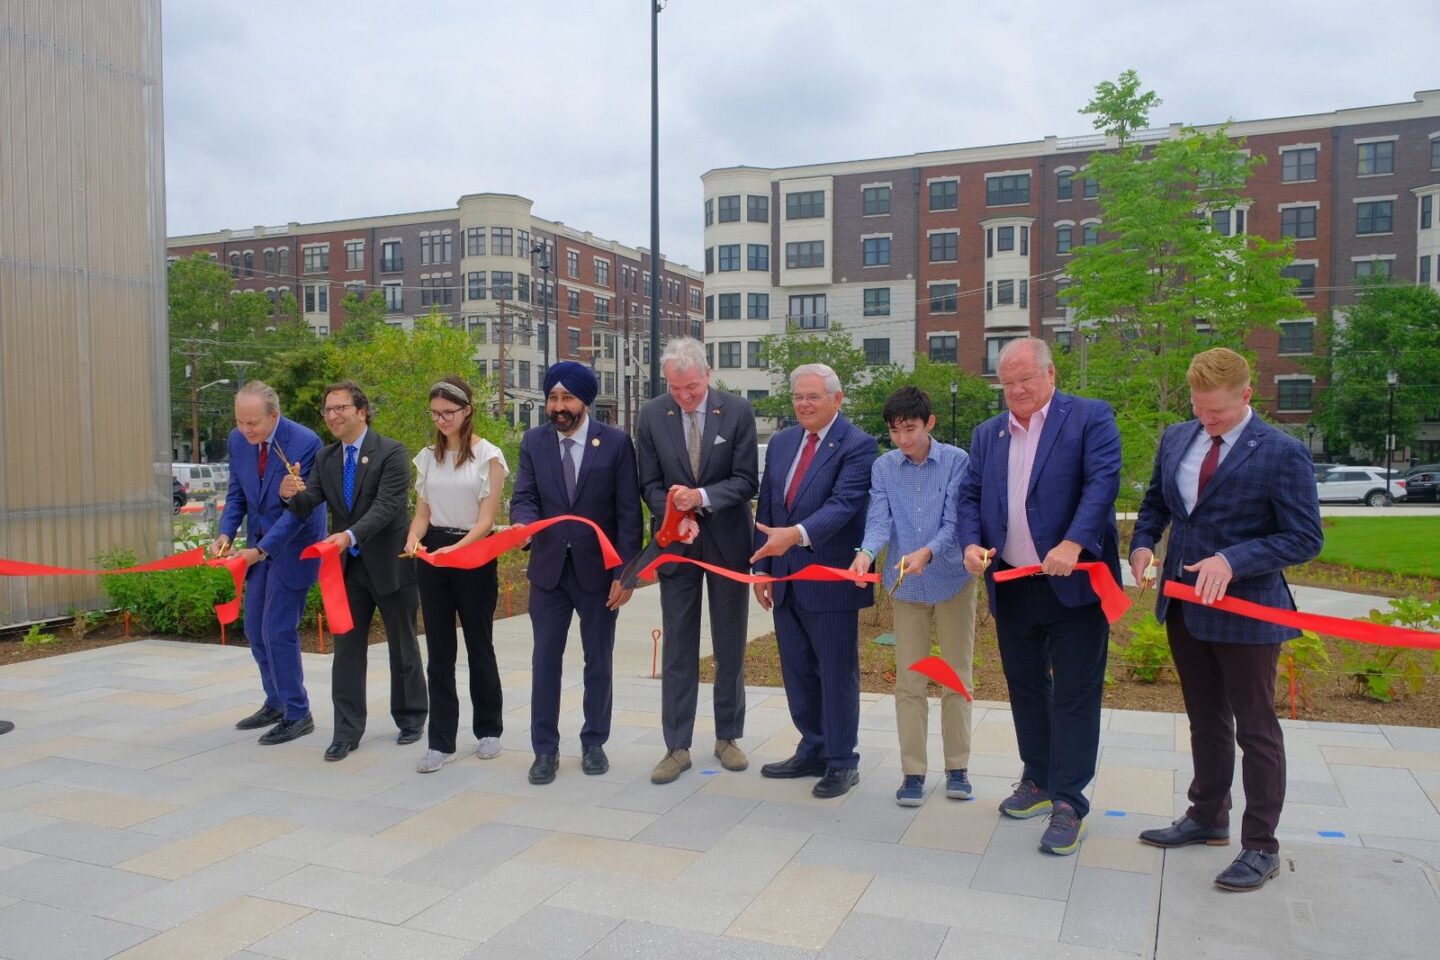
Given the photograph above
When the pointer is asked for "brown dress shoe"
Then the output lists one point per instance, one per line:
(730, 755)
(668, 770)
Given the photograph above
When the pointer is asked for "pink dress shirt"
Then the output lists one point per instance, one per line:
(1019, 544)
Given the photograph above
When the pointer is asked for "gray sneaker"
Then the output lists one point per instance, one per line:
(488, 748)
(432, 761)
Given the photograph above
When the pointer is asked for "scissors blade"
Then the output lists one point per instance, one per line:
(630, 576)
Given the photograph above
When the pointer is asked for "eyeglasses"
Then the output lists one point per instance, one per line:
(445, 416)
(336, 408)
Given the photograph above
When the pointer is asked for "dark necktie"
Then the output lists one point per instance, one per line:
(264, 457)
(349, 479)
(568, 468)
(806, 455)
(692, 444)
(1209, 465)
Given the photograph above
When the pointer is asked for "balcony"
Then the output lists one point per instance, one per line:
(392, 264)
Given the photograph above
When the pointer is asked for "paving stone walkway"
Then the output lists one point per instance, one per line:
(135, 821)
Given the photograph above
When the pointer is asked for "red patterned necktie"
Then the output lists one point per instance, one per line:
(1209, 465)
(806, 455)
(264, 457)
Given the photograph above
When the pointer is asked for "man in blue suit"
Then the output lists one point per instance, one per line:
(277, 581)
(812, 510)
(1239, 498)
(1040, 489)
(574, 465)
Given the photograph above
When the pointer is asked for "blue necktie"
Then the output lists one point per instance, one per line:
(349, 477)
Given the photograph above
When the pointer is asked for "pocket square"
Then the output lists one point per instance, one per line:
(719, 439)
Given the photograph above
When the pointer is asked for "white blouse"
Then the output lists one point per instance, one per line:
(453, 494)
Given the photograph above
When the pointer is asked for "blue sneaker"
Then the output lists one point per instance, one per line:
(912, 790)
(1027, 801)
(957, 785)
(1062, 837)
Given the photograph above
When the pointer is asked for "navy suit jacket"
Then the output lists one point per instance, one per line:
(256, 500)
(831, 504)
(607, 490)
(1259, 509)
(1071, 496)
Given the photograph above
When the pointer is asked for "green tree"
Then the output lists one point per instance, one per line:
(1119, 109)
(796, 347)
(974, 398)
(1392, 327)
(362, 317)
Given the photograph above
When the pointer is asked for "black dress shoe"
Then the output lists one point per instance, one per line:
(593, 760)
(836, 782)
(543, 769)
(287, 730)
(1186, 831)
(796, 766)
(408, 736)
(264, 717)
(340, 749)
(1249, 871)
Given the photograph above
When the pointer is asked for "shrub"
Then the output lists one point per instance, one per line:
(173, 601)
(1147, 654)
(35, 637)
(1391, 673)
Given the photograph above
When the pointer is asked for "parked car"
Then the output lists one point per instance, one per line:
(1323, 468)
(1422, 486)
(221, 470)
(1365, 485)
(179, 495)
(199, 478)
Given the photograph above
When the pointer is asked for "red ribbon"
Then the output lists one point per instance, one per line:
(942, 673)
(1361, 631)
(1113, 600)
(814, 572)
(332, 585)
(481, 552)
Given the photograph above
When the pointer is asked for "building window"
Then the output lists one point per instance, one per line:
(249, 263)
(572, 302)
(942, 348)
(602, 309)
(944, 246)
(753, 395)
(573, 338)
(755, 355)
(729, 354)
(876, 201)
(355, 255)
(572, 264)
(729, 257)
(695, 298)
(877, 301)
(944, 297)
(757, 208)
(709, 212)
(1427, 204)
(522, 244)
(502, 242)
(523, 380)
(235, 265)
(1090, 234)
(805, 205)
(993, 346)
(1004, 238)
(268, 259)
(435, 248)
(1298, 165)
(1294, 394)
(1297, 336)
(1228, 223)
(945, 195)
(1064, 184)
(390, 259)
(475, 242)
(1375, 158)
(602, 272)
(1425, 269)
(728, 209)
(1004, 294)
(317, 298)
(757, 256)
(805, 253)
(1298, 222)
(501, 285)
(1090, 188)
(475, 285)
(729, 306)
(433, 291)
(757, 306)
(284, 253)
(876, 251)
(1063, 236)
(1376, 216)
(877, 351)
(808, 310)
(394, 298)
(710, 307)
(1011, 188)
(1304, 275)
(709, 260)
(1373, 268)
(317, 259)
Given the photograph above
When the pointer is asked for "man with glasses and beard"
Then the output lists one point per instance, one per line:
(574, 465)
(364, 478)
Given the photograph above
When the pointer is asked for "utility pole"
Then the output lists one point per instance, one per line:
(655, 265)
(192, 370)
(501, 334)
(625, 387)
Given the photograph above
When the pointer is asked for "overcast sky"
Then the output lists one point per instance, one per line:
(280, 110)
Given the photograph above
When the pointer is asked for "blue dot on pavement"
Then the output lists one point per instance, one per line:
(1331, 833)
(708, 773)
(1114, 813)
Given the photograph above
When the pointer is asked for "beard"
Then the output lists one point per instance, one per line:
(563, 420)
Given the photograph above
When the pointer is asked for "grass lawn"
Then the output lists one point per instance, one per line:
(1409, 545)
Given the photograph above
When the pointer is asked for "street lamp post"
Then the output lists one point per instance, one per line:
(195, 414)
(1391, 378)
(1310, 432)
(954, 393)
(655, 262)
(544, 266)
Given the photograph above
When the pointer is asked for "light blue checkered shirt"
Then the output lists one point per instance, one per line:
(913, 506)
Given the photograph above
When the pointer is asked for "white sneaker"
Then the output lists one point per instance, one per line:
(432, 761)
(488, 748)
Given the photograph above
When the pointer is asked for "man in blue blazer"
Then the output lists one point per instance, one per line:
(1040, 489)
(1239, 498)
(277, 581)
(812, 510)
(574, 465)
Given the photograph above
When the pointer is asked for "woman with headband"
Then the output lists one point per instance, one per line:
(461, 478)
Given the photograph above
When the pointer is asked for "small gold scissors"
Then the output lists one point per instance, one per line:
(1152, 573)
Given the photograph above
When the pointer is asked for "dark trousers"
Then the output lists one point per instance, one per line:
(1229, 691)
(680, 588)
(470, 595)
(820, 664)
(550, 614)
(407, 674)
(1054, 660)
(272, 619)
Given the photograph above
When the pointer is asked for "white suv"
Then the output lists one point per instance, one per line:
(1359, 485)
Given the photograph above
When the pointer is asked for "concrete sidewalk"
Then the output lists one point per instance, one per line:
(137, 822)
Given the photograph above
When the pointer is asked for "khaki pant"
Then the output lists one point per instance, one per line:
(954, 622)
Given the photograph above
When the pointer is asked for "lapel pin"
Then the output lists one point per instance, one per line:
(716, 410)
(1250, 444)
(1002, 435)
(364, 459)
(669, 413)
(595, 442)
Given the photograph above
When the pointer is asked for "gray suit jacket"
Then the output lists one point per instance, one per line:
(729, 468)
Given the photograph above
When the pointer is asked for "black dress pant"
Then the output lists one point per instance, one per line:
(470, 595)
(1229, 691)
(352, 651)
(1054, 660)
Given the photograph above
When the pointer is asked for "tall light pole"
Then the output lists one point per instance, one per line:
(655, 264)
(954, 393)
(544, 266)
(1391, 378)
(195, 415)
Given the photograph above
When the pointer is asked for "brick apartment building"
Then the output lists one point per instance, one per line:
(488, 263)
(953, 253)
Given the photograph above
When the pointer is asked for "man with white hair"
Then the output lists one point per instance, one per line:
(699, 443)
(812, 510)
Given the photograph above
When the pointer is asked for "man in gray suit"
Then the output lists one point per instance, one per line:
(700, 442)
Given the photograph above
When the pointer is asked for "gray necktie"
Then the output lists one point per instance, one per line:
(693, 443)
(568, 467)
